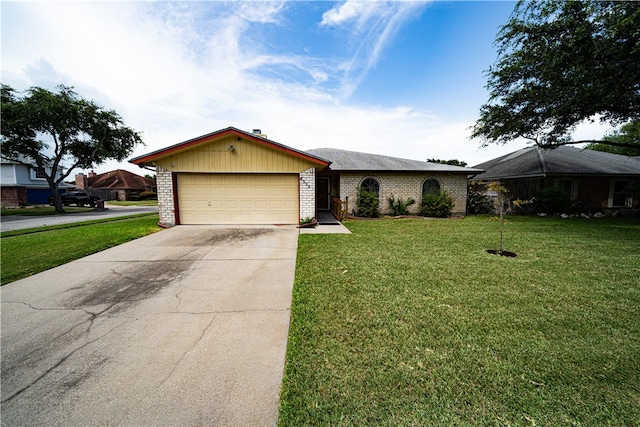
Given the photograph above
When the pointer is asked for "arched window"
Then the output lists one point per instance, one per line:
(430, 185)
(371, 185)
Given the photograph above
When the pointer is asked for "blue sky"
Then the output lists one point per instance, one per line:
(396, 78)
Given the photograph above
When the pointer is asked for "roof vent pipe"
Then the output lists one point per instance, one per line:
(258, 132)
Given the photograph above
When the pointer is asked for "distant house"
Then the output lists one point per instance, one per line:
(115, 185)
(595, 179)
(23, 184)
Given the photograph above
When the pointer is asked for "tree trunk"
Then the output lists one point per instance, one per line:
(501, 226)
(53, 186)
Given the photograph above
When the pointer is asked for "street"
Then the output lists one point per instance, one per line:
(19, 222)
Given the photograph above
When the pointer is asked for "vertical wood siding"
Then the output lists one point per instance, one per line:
(248, 157)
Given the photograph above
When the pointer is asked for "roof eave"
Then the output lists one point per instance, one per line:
(422, 171)
(185, 145)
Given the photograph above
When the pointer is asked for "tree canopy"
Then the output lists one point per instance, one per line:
(629, 133)
(453, 162)
(57, 132)
(561, 63)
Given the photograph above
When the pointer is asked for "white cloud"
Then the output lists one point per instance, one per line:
(175, 71)
(370, 27)
(260, 11)
(350, 10)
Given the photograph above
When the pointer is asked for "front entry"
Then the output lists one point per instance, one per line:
(323, 194)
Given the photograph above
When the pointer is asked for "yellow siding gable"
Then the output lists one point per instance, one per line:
(247, 157)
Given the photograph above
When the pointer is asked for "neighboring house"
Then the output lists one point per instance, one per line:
(594, 178)
(22, 185)
(235, 177)
(388, 177)
(115, 185)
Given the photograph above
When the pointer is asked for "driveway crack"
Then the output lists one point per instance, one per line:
(184, 354)
(60, 362)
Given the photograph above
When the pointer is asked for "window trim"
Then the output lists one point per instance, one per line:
(573, 187)
(628, 200)
(34, 175)
(430, 178)
(376, 180)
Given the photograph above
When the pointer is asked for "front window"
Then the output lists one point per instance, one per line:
(430, 186)
(37, 173)
(566, 185)
(371, 185)
(621, 194)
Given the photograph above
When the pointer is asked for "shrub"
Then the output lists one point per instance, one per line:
(478, 203)
(148, 195)
(367, 204)
(552, 200)
(437, 205)
(307, 220)
(400, 206)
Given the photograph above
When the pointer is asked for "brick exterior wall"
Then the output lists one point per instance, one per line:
(397, 185)
(165, 196)
(404, 186)
(308, 193)
(13, 196)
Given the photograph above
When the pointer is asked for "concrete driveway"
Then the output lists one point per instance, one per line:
(184, 327)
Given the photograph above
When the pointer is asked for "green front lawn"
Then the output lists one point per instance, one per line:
(411, 322)
(42, 210)
(27, 252)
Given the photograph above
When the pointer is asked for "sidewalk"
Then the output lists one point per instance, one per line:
(338, 228)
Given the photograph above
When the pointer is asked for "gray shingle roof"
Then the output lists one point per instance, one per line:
(343, 160)
(564, 160)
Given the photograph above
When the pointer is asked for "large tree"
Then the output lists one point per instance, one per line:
(561, 63)
(629, 133)
(57, 132)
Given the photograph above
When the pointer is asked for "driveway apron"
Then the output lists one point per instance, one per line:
(187, 326)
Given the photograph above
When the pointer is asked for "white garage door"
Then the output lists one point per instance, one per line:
(238, 199)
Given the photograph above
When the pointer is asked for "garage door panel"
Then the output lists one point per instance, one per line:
(238, 199)
(247, 205)
(261, 205)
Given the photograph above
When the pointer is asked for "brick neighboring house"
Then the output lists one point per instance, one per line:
(594, 179)
(114, 185)
(235, 177)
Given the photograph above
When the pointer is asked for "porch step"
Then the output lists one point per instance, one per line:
(327, 218)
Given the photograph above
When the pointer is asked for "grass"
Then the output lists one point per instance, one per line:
(27, 252)
(411, 322)
(132, 202)
(42, 210)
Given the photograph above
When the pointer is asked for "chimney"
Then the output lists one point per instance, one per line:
(81, 181)
(92, 174)
(258, 132)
